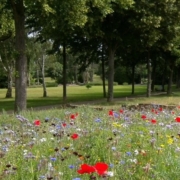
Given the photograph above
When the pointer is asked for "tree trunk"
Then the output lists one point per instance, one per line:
(153, 76)
(43, 77)
(103, 75)
(133, 78)
(21, 60)
(149, 78)
(9, 88)
(110, 75)
(169, 87)
(64, 73)
(178, 78)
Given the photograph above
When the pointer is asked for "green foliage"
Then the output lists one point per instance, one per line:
(3, 81)
(120, 75)
(88, 86)
(55, 71)
(7, 28)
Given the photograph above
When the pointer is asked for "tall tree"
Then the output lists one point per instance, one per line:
(7, 61)
(21, 60)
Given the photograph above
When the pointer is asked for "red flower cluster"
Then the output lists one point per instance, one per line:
(100, 168)
(154, 111)
(37, 122)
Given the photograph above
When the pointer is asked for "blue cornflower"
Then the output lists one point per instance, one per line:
(46, 119)
(113, 148)
(76, 179)
(63, 149)
(122, 162)
(71, 166)
(53, 159)
(128, 153)
(58, 127)
(98, 120)
(116, 115)
(42, 177)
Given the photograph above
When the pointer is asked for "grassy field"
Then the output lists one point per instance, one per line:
(81, 93)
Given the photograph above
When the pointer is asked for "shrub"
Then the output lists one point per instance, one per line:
(88, 86)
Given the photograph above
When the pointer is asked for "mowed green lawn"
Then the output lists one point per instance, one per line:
(81, 93)
(74, 94)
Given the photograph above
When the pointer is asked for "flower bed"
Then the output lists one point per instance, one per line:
(85, 143)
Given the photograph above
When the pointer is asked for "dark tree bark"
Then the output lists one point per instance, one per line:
(110, 75)
(133, 78)
(149, 77)
(178, 78)
(64, 73)
(153, 75)
(10, 80)
(42, 64)
(21, 60)
(169, 87)
(103, 74)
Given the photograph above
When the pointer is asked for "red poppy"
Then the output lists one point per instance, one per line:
(73, 116)
(74, 136)
(64, 124)
(143, 117)
(101, 168)
(121, 111)
(154, 111)
(177, 119)
(153, 121)
(160, 109)
(111, 113)
(37, 122)
(85, 168)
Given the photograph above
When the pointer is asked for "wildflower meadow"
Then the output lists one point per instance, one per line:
(85, 143)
